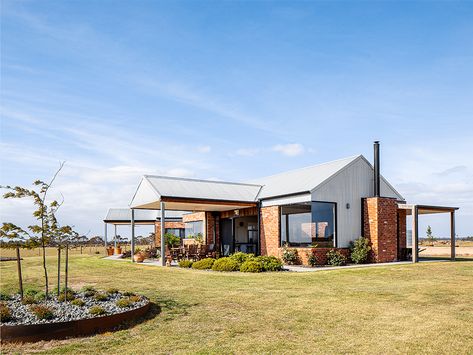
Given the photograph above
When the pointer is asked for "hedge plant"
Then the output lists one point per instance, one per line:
(251, 266)
(225, 264)
(204, 264)
(269, 263)
(185, 263)
(241, 257)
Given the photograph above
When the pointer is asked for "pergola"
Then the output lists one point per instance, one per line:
(160, 193)
(415, 211)
(126, 217)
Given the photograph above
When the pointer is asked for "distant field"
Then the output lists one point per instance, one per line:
(86, 250)
(443, 243)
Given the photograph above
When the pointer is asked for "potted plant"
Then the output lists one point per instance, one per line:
(199, 239)
(118, 249)
(138, 257)
(110, 251)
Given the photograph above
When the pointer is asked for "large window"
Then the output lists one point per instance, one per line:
(194, 228)
(178, 232)
(308, 224)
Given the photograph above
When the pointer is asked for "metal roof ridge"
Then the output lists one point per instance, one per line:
(202, 180)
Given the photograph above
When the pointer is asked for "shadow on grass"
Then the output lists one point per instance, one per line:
(171, 308)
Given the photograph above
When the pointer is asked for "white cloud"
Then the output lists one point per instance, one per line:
(290, 150)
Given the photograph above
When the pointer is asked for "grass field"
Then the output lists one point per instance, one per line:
(423, 308)
(90, 250)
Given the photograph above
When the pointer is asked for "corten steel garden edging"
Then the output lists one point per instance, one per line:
(74, 328)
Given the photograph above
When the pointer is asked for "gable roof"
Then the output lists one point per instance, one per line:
(164, 186)
(301, 180)
(304, 180)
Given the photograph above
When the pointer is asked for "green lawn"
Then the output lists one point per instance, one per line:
(423, 308)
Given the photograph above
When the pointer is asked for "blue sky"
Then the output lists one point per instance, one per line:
(234, 91)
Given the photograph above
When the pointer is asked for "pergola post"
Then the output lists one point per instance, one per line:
(415, 235)
(163, 227)
(132, 234)
(105, 223)
(452, 235)
(115, 237)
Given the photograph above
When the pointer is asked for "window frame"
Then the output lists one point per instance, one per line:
(193, 223)
(305, 245)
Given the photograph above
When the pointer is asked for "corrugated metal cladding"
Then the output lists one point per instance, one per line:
(203, 189)
(349, 186)
(300, 180)
(124, 214)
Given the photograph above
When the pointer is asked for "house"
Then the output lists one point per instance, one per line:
(328, 205)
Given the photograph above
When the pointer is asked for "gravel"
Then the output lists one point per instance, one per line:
(65, 311)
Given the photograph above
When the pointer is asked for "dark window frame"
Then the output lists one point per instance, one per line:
(305, 245)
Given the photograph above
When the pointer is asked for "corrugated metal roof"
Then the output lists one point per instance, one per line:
(124, 215)
(203, 189)
(300, 180)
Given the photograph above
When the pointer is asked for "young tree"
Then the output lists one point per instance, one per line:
(18, 238)
(44, 213)
(430, 236)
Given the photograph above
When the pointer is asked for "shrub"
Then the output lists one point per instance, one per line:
(124, 303)
(112, 290)
(335, 258)
(101, 297)
(97, 310)
(312, 259)
(69, 296)
(42, 311)
(203, 264)
(225, 264)
(88, 288)
(90, 293)
(5, 313)
(241, 257)
(251, 266)
(78, 302)
(4, 296)
(40, 296)
(360, 250)
(270, 263)
(289, 256)
(128, 293)
(185, 263)
(135, 298)
(28, 299)
(30, 292)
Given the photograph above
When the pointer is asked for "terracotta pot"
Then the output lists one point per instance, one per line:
(110, 251)
(138, 257)
(118, 250)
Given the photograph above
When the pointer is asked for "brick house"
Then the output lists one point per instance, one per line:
(328, 205)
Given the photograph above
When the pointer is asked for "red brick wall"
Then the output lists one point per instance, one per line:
(401, 227)
(211, 221)
(269, 230)
(380, 226)
(157, 230)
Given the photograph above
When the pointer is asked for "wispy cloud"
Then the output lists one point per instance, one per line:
(289, 150)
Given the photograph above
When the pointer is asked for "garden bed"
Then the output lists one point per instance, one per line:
(53, 319)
